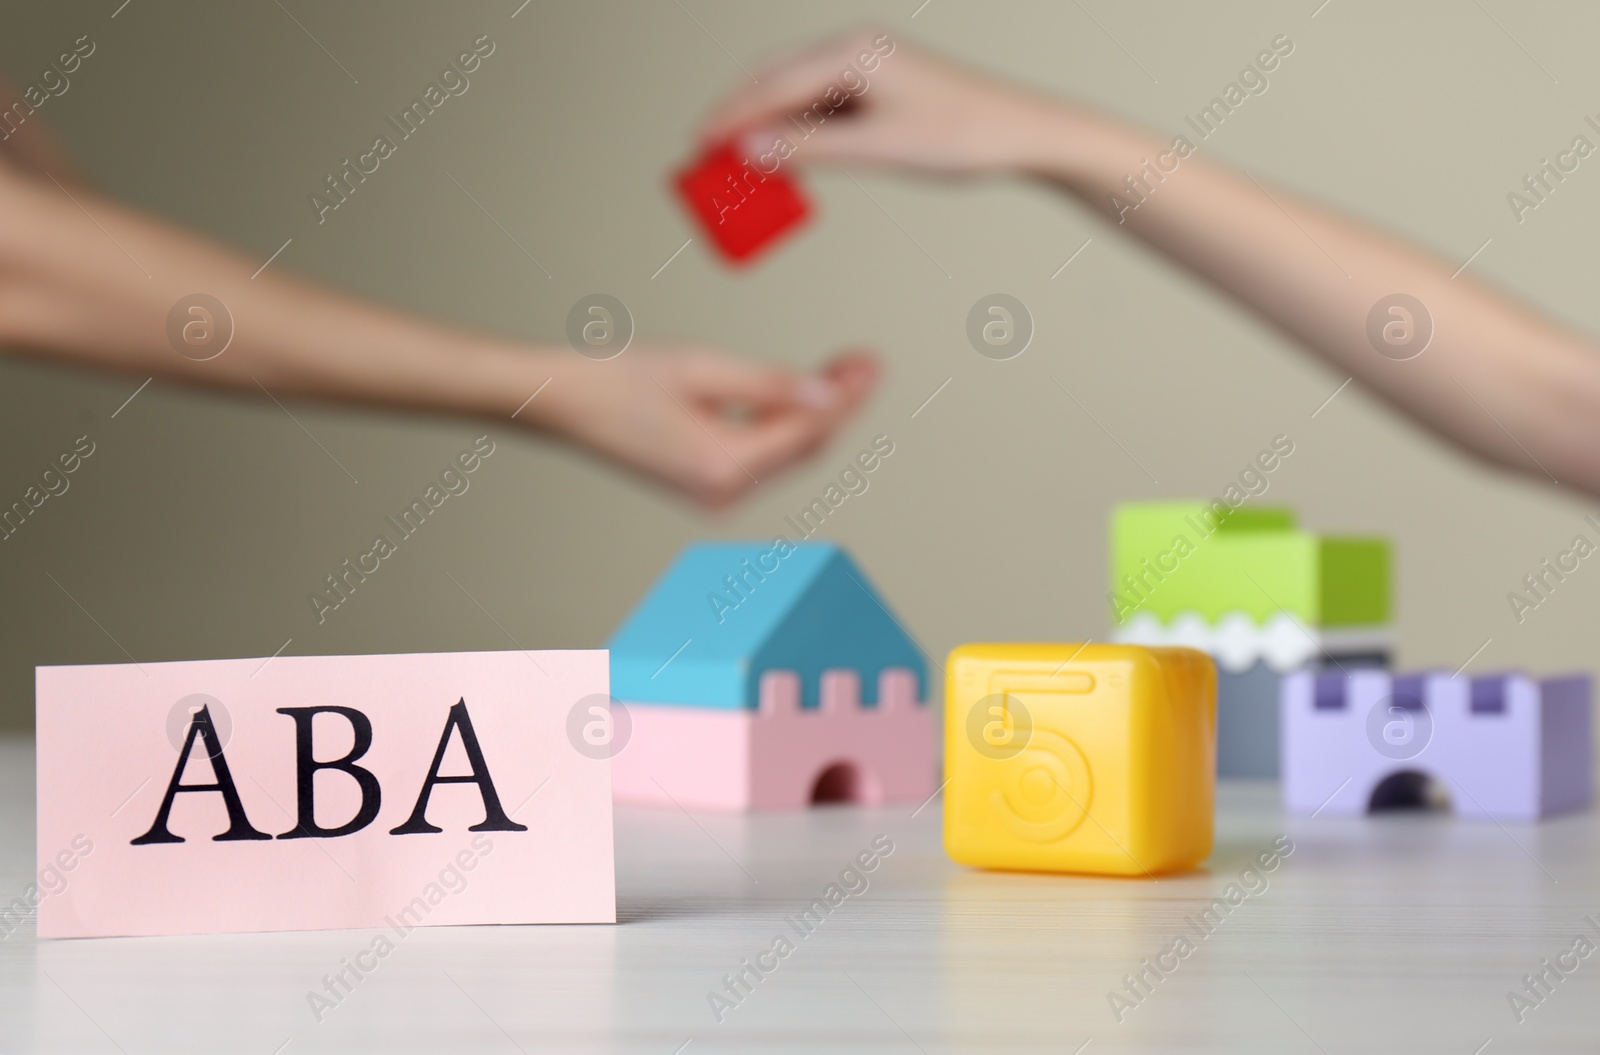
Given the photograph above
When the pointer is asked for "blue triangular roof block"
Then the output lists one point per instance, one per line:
(724, 613)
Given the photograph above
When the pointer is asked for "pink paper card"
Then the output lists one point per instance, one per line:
(304, 793)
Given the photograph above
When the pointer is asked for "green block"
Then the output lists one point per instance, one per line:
(1174, 557)
(1355, 581)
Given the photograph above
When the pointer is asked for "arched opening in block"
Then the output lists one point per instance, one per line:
(840, 782)
(1408, 790)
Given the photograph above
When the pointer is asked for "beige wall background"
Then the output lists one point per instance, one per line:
(203, 521)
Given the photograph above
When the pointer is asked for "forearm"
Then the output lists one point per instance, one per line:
(1495, 378)
(89, 281)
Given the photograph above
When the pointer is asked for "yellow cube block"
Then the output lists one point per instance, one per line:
(1080, 758)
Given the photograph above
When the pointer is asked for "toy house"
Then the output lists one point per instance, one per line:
(1261, 596)
(1503, 746)
(769, 676)
(1079, 758)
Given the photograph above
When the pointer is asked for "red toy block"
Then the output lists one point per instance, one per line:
(742, 209)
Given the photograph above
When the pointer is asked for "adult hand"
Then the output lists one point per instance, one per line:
(870, 99)
(700, 420)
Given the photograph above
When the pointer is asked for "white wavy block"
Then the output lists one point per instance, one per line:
(1237, 642)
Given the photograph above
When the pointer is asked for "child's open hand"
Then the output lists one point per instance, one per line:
(703, 421)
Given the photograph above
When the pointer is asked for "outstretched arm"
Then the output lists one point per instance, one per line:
(1496, 378)
(83, 279)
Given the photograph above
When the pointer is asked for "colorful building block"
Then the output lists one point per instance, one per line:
(742, 207)
(1259, 595)
(1173, 558)
(769, 676)
(1079, 758)
(1247, 723)
(1503, 746)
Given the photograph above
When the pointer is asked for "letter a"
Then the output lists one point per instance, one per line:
(320, 1005)
(719, 604)
(1121, 607)
(320, 206)
(1120, 1005)
(720, 1005)
(494, 817)
(238, 824)
(1520, 605)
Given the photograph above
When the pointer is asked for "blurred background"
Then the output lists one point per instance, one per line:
(203, 522)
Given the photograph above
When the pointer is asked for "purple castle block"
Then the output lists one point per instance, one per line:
(1501, 746)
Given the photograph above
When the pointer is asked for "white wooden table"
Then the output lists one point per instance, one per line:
(1402, 933)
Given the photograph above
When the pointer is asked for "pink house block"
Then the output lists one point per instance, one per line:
(761, 676)
(781, 756)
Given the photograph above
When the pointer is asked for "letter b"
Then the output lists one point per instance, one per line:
(306, 767)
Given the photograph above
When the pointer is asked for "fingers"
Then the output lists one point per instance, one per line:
(772, 445)
(790, 84)
(842, 137)
(756, 450)
(855, 374)
(788, 415)
(716, 378)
